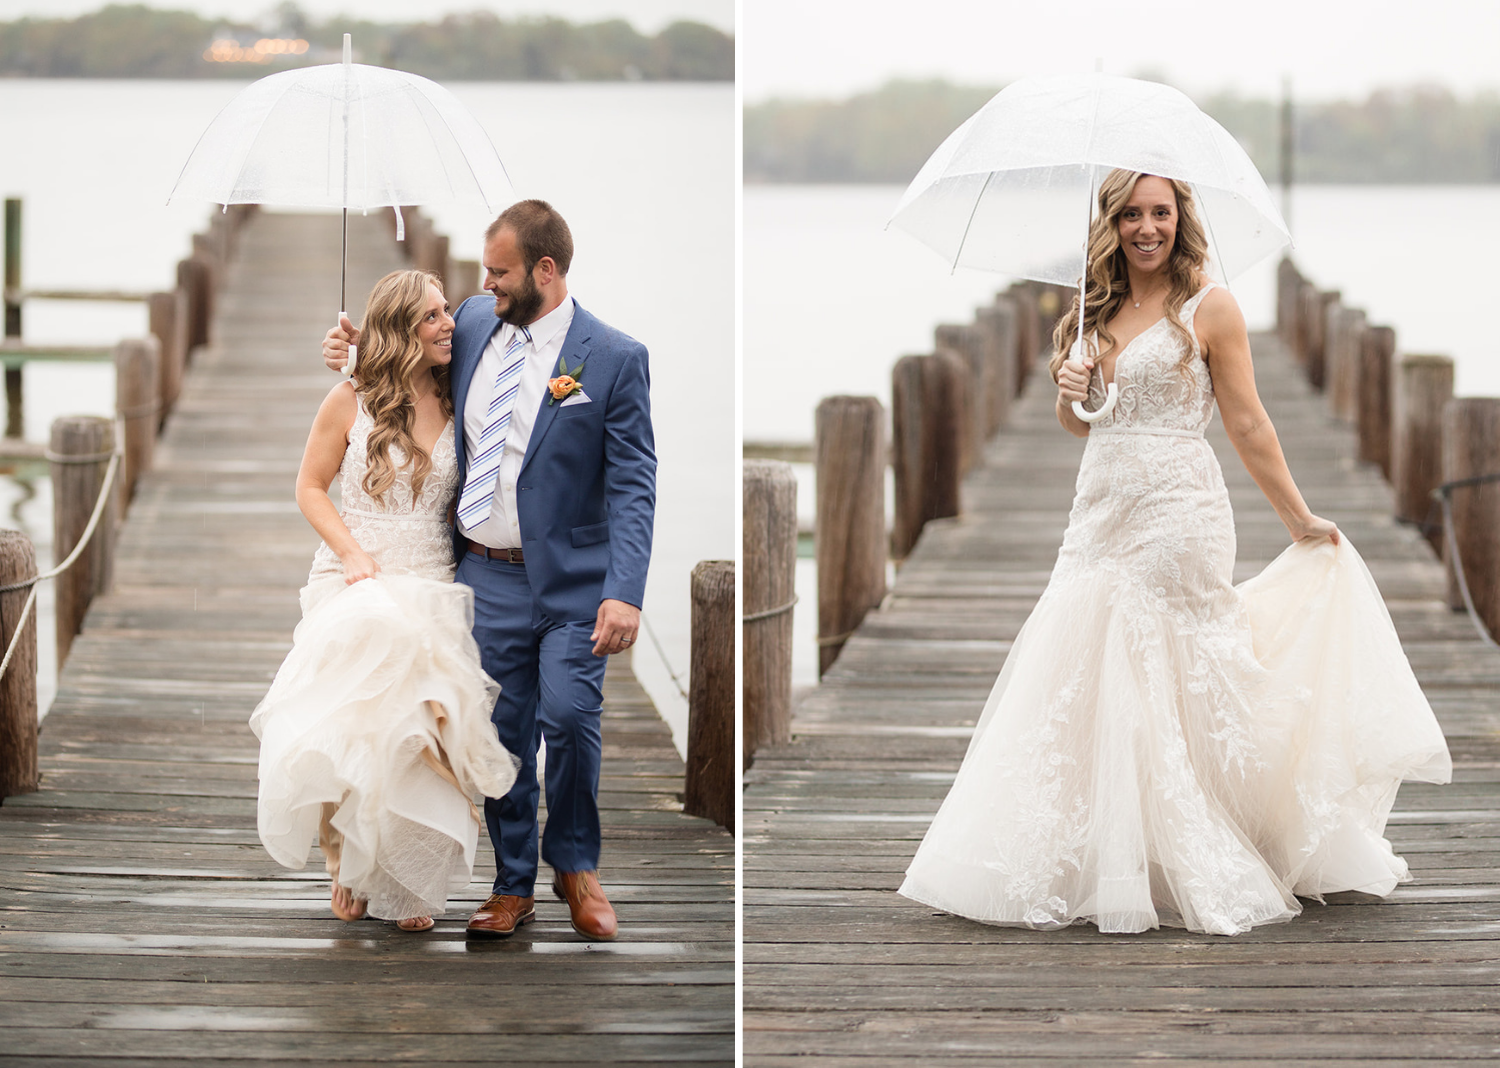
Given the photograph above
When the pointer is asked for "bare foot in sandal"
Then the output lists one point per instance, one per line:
(416, 923)
(345, 905)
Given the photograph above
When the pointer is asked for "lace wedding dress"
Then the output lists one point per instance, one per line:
(378, 724)
(1163, 747)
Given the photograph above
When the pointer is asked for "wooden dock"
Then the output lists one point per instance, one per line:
(142, 923)
(840, 970)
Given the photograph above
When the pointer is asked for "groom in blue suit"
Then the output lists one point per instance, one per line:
(557, 471)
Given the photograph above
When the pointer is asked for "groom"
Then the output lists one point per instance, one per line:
(557, 471)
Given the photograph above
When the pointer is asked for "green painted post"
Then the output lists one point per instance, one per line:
(13, 409)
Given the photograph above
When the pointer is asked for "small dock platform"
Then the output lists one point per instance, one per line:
(840, 970)
(141, 922)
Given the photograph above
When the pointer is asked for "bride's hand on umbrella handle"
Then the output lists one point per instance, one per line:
(1073, 380)
(336, 344)
(1314, 527)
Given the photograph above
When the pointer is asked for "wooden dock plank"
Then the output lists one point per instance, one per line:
(840, 970)
(140, 920)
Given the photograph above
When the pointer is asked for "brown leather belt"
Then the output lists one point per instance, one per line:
(510, 555)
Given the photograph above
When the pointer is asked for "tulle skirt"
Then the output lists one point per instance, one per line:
(381, 713)
(1136, 766)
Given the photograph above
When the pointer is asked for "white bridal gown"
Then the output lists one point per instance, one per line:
(381, 710)
(1163, 747)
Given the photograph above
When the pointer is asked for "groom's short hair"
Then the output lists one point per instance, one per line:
(540, 231)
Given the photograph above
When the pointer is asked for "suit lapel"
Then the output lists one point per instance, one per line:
(575, 350)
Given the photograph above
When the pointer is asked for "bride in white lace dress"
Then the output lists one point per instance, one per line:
(1163, 747)
(376, 733)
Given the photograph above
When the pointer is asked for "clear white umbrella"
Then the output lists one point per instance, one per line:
(345, 135)
(1013, 189)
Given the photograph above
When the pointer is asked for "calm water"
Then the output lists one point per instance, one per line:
(1404, 254)
(644, 174)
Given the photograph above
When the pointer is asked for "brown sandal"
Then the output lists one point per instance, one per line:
(416, 924)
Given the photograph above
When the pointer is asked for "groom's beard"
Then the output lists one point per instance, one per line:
(523, 304)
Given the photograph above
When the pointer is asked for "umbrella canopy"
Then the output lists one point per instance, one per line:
(345, 135)
(1011, 190)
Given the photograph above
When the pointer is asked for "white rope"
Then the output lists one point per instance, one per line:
(651, 633)
(88, 533)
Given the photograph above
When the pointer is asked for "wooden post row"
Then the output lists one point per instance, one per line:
(850, 524)
(81, 446)
(169, 325)
(195, 279)
(769, 526)
(962, 342)
(708, 789)
(925, 419)
(1424, 387)
(1376, 404)
(15, 412)
(997, 328)
(138, 402)
(1471, 447)
(18, 710)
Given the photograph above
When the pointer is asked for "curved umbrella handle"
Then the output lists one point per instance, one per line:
(1108, 406)
(349, 365)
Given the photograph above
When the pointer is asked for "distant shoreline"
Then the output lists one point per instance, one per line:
(144, 43)
(1420, 135)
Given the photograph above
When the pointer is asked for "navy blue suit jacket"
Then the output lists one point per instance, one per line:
(586, 494)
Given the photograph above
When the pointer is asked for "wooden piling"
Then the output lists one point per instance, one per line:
(1424, 385)
(709, 787)
(1314, 321)
(138, 404)
(1029, 340)
(464, 282)
(997, 327)
(18, 708)
(1288, 301)
(80, 449)
(962, 342)
(14, 409)
(1345, 342)
(195, 279)
(925, 414)
(850, 524)
(168, 317)
(1471, 448)
(769, 526)
(1375, 402)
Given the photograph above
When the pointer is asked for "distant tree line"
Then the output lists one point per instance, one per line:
(1417, 135)
(135, 41)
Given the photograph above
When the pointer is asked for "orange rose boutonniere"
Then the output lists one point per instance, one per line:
(566, 383)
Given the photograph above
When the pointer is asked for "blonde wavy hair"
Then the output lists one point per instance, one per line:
(1108, 284)
(389, 352)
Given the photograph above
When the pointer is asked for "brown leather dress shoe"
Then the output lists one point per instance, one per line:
(593, 916)
(500, 915)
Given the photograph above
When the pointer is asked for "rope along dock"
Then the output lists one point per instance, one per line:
(140, 919)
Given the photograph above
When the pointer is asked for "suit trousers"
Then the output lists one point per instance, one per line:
(552, 690)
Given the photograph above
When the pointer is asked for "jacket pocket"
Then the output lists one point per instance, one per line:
(591, 534)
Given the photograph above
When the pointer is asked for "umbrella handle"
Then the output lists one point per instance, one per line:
(1108, 406)
(353, 350)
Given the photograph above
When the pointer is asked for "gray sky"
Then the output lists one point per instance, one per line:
(1329, 48)
(646, 15)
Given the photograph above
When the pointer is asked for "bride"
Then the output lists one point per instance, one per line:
(1163, 747)
(376, 733)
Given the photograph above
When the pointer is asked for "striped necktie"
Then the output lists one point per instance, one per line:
(479, 488)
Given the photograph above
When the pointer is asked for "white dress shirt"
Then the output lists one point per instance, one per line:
(503, 529)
